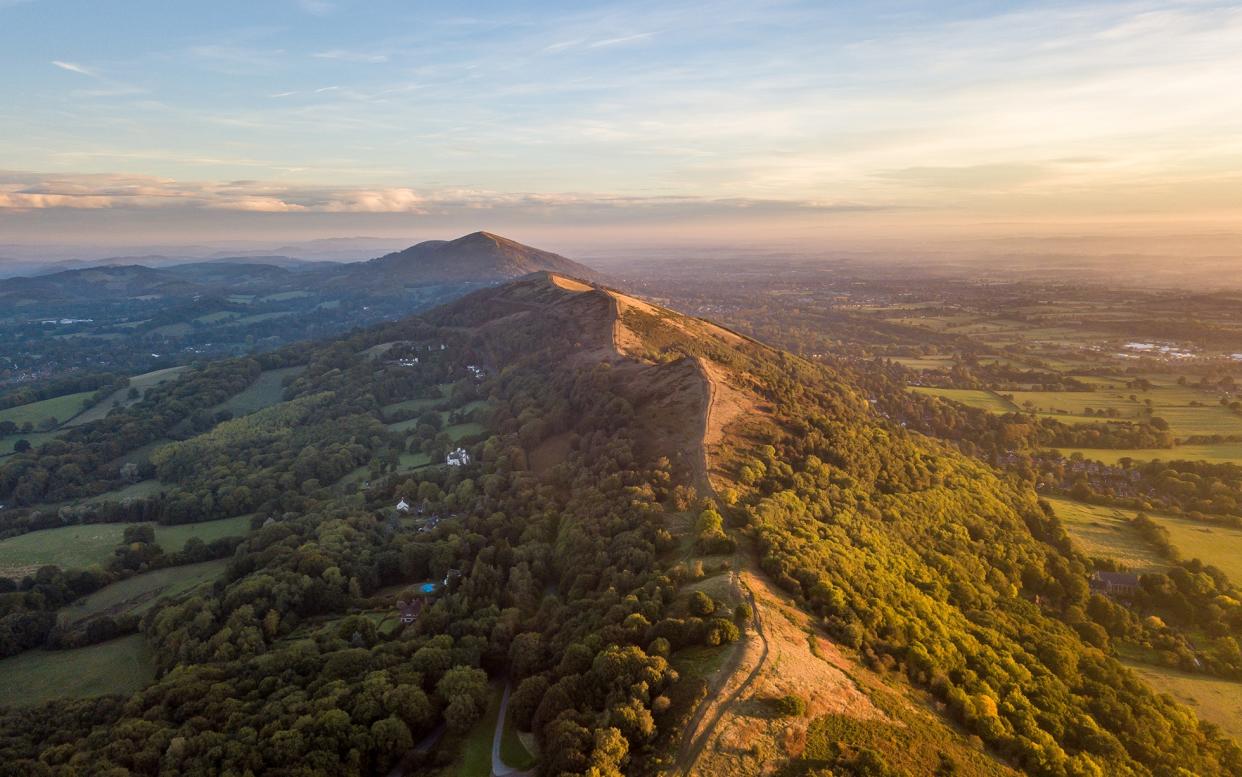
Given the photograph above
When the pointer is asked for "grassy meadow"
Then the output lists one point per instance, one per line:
(60, 408)
(1214, 453)
(980, 398)
(121, 398)
(267, 390)
(120, 666)
(72, 547)
(1104, 531)
(1214, 700)
(139, 593)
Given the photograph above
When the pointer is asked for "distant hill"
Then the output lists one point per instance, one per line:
(480, 257)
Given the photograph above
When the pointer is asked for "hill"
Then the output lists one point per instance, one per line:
(686, 551)
(480, 257)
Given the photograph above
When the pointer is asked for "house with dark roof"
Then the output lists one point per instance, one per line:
(1121, 585)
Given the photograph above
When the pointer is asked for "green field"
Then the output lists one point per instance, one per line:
(409, 461)
(267, 390)
(73, 547)
(217, 317)
(121, 666)
(982, 399)
(1105, 532)
(34, 438)
(414, 405)
(459, 432)
(1188, 411)
(926, 362)
(1214, 700)
(286, 295)
(1219, 453)
(173, 330)
(60, 408)
(140, 592)
(1220, 546)
(121, 396)
(260, 317)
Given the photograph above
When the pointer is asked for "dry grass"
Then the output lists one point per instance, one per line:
(750, 739)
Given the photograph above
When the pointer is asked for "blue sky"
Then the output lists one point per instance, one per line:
(319, 117)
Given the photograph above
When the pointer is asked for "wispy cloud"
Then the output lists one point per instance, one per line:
(73, 67)
(341, 55)
(317, 7)
(599, 44)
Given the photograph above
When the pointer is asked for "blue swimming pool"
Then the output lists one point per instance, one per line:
(427, 587)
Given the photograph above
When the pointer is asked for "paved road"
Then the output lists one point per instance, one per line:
(499, 767)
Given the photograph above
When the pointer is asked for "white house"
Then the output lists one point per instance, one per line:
(457, 458)
(403, 506)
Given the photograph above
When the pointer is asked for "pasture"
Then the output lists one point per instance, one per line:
(980, 398)
(1215, 453)
(120, 397)
(139, 593)
(36, 413)
(73, 547)
(1214, 700)
(1105, 532)
(267, 390)
(1220, 546)
(120, 666)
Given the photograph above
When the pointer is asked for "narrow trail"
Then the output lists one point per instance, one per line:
(499, 768)
(692, 746)
(701, 728)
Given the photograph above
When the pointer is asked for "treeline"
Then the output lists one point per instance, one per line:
(1198, 490)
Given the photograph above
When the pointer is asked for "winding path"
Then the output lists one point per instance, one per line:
(692, 746)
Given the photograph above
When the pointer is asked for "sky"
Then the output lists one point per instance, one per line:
(124, 121)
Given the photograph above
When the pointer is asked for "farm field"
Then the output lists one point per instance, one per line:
(121, 396)
(34, 438)
(984, 400)
(1215, 700)
(120, 666)
(459, 432)
(137, 594)
(61, 408)
(259, 317)
(1215, 453)
(72, 547)
(1105, 532)
(286, 295)
(267, 390)
(1220, 546)
(217, 317)
(410, 461)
